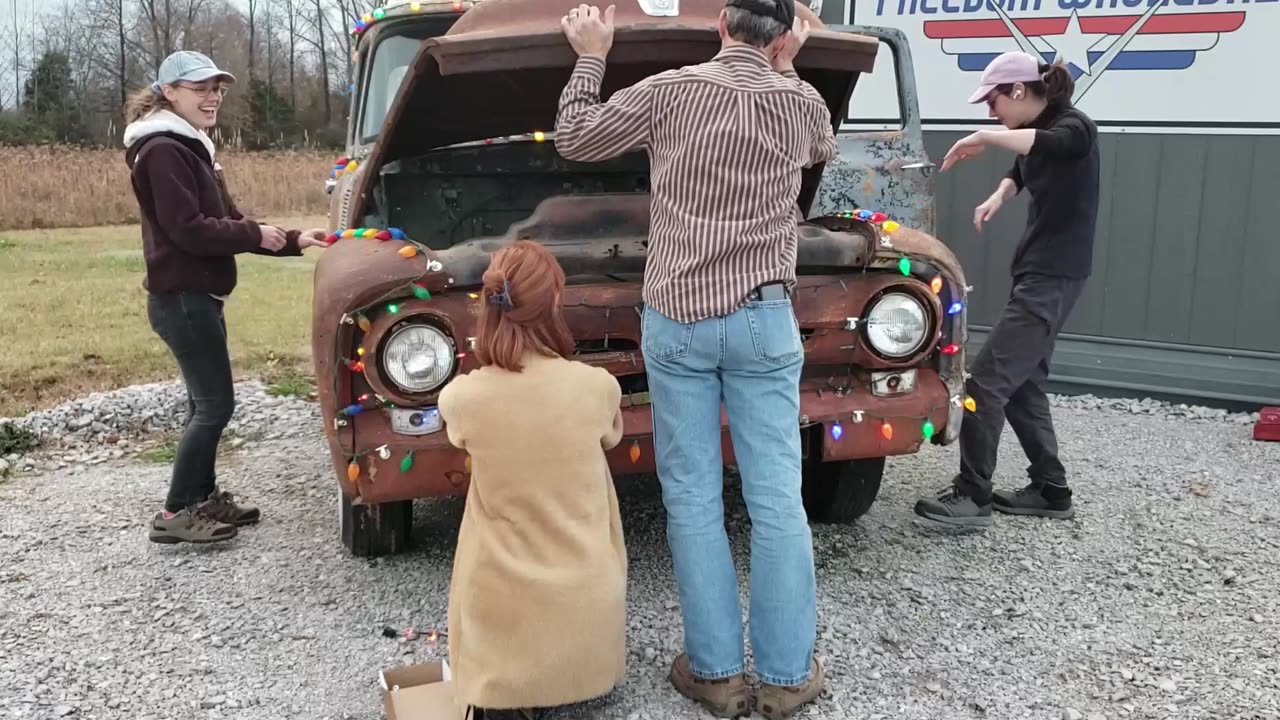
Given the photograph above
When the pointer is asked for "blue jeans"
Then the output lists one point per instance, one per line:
(751, 360)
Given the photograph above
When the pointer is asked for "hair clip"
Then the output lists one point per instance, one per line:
(503, 299)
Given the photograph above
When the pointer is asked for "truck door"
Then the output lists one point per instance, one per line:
(882, 165)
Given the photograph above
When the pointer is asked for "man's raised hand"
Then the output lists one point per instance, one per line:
(589, 31)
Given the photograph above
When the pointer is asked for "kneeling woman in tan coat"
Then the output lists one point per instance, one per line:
(538, 596)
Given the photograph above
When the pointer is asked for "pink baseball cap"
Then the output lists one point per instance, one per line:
(1009, 68)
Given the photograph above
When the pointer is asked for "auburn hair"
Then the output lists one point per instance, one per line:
(522, 312)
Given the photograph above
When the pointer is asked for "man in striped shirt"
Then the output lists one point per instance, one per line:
(727, 141)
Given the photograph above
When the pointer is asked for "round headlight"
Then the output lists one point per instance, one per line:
(418, 358)
(896, 325)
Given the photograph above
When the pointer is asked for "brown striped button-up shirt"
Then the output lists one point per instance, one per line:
(726, 140)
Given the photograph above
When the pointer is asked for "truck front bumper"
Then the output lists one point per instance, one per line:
(841, 426)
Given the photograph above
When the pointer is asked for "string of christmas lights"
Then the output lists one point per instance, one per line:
(366, 20)
(360, 318)
(413, 248)
(927, 428)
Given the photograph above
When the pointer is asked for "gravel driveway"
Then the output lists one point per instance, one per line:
(1160, 600)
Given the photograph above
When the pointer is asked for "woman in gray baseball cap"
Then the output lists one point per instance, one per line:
(191, 233)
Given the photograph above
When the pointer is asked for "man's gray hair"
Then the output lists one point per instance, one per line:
(752, 29)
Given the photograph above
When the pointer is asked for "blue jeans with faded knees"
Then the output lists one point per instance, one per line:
(751, 360)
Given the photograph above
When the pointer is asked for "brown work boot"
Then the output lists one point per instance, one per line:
(725, 698)
(191, 525)
(221, 506)
(776, 702)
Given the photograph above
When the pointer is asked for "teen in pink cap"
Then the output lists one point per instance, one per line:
(1057, 162)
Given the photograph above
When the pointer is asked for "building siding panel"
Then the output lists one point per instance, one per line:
(1257, 271)
(1221, 243)
(1186, 252)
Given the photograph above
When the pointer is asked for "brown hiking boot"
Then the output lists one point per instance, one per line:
(191, 525)
(221, 506)
(776, 702)
(725, 698)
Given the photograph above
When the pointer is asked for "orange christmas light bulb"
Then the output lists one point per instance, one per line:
(364, 323)
(936, 284)
(353, 471)
(635, 452)
(886, 430)
(408, 251)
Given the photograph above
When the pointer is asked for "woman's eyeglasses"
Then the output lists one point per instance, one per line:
(219, 90)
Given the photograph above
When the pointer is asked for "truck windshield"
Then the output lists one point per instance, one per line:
(391, 60)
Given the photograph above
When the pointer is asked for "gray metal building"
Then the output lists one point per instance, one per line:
(1184, 302)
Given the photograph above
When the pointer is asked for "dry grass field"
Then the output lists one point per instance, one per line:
(75, 316)
(61, 187)
(71, 261)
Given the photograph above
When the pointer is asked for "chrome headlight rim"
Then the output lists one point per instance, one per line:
(411, 324)
(926, 323)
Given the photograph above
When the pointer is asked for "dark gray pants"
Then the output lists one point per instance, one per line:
(192, 325)
(1006, 383)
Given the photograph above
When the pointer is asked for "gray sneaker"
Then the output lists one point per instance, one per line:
(1032, 500)
(191, 525)
(954, 507)
(222, 506)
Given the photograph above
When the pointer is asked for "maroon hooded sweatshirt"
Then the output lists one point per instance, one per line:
(191, 229)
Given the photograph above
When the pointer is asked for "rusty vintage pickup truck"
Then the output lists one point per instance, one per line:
(451, 154)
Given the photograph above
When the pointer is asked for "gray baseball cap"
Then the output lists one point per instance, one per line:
(188, 66)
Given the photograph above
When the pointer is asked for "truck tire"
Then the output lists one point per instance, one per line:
(375, 530)
(840, 492)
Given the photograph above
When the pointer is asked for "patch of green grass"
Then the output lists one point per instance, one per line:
(296, 386)
(162, 454)
(16, 440)
(166, 450)
(75, 316)
(6, 244)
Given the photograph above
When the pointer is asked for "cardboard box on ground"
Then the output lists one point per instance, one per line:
(420, 692)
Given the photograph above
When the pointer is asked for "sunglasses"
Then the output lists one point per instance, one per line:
(996, 93)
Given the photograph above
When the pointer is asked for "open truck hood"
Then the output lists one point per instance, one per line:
(500, 69)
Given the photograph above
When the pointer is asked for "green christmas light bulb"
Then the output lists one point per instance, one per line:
(905, 265)
(421, 293)
(928, 430)
(407, 463)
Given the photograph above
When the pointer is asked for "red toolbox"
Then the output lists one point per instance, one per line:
(1268, 425)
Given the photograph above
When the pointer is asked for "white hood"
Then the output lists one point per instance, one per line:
(161, 121)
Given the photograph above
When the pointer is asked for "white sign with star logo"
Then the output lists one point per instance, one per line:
(1139, 65)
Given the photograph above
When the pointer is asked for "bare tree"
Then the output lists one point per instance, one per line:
(253, 35)
(6, 87)
(322, 26)
(16, 39)
(292, 28)
(122, 70)
(269, 29)
(159, 20)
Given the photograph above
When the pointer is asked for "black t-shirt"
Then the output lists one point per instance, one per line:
(1061, 173)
